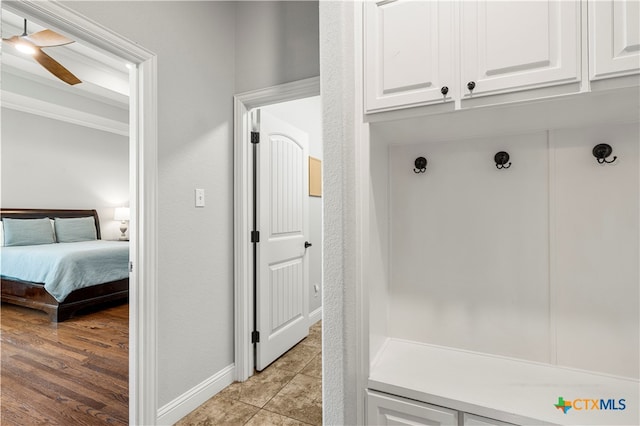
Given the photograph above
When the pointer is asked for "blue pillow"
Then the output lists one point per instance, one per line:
(75, 229)
(27, 232)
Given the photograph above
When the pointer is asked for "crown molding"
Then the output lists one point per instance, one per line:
(41, 108)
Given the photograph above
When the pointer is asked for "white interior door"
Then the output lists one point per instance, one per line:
(282, 302)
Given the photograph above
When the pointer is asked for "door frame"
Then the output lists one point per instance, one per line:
(142, 190)
(242, 194)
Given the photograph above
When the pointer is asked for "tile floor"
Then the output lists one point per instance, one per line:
(287, 393)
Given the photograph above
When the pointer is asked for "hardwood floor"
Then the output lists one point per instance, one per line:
(69, 373)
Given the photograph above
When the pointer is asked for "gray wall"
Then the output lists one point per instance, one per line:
(276, 42)
(195, 246)
(306, 115)
(195, 92)
(48, 163)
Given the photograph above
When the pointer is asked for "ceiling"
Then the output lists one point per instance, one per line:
(27, 86)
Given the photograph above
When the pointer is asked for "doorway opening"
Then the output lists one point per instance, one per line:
(244, 123)
(142, 187)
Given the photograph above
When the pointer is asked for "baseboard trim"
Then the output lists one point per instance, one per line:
(315, 316)
(175, 410)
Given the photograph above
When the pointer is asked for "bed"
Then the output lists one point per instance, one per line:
(73, 280)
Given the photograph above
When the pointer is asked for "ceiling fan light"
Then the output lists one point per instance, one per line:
(25, 48)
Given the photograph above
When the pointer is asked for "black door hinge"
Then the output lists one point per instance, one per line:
(255, 236)
(255, 137)
(255, 337)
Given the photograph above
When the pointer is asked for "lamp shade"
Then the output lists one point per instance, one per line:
(121, 213)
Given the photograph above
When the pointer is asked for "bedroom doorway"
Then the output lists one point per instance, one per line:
(142, 186)
(247, 117)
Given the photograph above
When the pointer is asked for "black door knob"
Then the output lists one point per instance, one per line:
(444, 90)
(307, 244)
(471, 85)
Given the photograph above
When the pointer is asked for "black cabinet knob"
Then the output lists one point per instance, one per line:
(444, 90)
(471, 85)
(307, 244)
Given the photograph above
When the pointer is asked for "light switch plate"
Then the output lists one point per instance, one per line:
(199, 197)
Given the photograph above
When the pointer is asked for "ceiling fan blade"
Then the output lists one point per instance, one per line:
(11, 40)
(55, 68)
(48, 38)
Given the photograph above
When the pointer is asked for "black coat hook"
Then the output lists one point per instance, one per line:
(502, 158)
(602, 151)
(421, 165)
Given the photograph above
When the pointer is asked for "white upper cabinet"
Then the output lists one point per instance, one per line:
(409, 53)
(517, 45)
(415, 48)
(614, 38)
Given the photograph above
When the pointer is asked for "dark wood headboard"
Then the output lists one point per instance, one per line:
(51, 214)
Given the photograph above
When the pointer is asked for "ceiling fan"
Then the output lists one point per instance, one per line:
(33, 43)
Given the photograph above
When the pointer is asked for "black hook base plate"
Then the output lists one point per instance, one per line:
(502, 158)
(421, 165)
(602, 151)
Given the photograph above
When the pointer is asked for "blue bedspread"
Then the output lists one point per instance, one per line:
(65, 267)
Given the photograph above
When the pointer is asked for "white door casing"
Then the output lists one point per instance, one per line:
(282, 285)
(243, 259)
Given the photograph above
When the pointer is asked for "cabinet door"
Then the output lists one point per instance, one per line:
(392, 410)
(473, 420)
(614, 38)
(408, 53)
(517, 45)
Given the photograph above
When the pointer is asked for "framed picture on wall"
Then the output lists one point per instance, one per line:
(315, 177)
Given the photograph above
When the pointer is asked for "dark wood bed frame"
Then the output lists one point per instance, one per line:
(33, 295)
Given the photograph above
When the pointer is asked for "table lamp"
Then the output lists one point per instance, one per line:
(122, 214)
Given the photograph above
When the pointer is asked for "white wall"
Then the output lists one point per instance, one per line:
(379, 245)
(469, 246)
(196, 48)
(52, 164)
(341, 314)
(276, 42)
(537, 262)
(595, 277)
(306, 115)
